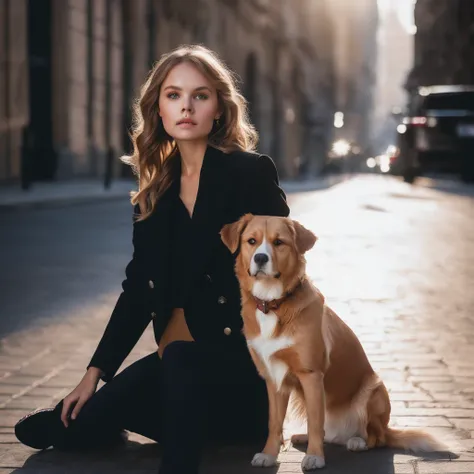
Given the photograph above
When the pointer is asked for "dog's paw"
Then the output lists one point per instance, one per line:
(356, 444)
(311, 461)
(264, 460)
(299, 439)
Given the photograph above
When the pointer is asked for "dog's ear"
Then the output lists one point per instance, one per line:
(304, 238)
(230, 233)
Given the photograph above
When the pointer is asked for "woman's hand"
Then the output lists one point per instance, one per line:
(79, 396)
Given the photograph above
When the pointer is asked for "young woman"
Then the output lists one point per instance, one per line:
(193, 158)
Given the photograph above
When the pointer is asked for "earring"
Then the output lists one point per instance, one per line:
(217, 121)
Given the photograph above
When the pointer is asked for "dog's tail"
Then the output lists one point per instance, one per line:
(414, 440)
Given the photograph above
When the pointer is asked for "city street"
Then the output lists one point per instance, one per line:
(395, 261)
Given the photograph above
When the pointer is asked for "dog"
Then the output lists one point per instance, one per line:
(300, 346)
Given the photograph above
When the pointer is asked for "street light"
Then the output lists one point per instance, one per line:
(341, 147)
(401, 128)
(339, 120)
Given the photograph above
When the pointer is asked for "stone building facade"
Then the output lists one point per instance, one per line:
(395, 52)
(355, 30)
(71, 69)
(444, 42)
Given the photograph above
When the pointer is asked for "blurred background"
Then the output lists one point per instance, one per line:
(323, 77)
(328, 81)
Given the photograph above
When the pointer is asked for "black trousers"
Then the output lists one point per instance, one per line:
(195, 393)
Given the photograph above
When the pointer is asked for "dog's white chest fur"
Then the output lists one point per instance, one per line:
(265, 346)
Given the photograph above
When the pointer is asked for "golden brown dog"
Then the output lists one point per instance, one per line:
(299, 344)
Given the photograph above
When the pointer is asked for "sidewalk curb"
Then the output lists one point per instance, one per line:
(45, 195)
(61, 202)
(317, 184)
(99, 195)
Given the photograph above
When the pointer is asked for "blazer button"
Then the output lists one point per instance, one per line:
(222, 300)
(227, 331)
(208, 278)
(151, 284)
(153, 315)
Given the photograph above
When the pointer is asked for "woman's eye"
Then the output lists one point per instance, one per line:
(277, 242)
(252, 241)
(175, 95)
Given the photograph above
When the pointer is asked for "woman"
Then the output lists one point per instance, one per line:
(192, 143)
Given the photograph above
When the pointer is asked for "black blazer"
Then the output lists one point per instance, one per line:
(231, 185)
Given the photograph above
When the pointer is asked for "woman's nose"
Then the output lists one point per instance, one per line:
(187, 105)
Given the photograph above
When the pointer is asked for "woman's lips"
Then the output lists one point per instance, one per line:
(186, 123)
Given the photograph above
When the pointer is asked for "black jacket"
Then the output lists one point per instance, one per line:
(231, 185)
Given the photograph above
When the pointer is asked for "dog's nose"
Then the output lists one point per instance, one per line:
(260, 258)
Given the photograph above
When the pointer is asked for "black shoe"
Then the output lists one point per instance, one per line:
(43, 428)
(35, 429)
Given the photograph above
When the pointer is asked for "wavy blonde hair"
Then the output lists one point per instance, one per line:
(154, 158)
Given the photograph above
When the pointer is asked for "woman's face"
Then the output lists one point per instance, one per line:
(188, 103)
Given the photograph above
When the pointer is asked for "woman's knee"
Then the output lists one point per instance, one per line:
(180, 354)
(183, 372)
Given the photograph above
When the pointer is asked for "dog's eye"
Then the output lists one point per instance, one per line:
(277, 242)
(252, 241)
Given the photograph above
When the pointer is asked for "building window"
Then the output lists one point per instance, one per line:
(167, 9)
(90, 68)
(151, 24)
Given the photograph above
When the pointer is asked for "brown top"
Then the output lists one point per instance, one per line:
(176, 330)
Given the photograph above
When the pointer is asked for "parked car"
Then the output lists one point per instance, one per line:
(437, 133)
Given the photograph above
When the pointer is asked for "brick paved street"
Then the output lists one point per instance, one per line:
(396, 262)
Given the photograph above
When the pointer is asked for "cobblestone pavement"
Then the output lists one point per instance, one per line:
(395, 261)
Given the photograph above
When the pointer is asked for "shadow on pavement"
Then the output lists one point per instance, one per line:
(449, 186)
(132, 456)
(412, 196)
(144, 458)
(138, 458)
(374, 461)
(341, 461)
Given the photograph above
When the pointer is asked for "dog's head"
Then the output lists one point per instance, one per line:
(271, 251)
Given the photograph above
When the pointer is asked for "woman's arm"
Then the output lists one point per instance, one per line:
(129, 318)
(262, 194)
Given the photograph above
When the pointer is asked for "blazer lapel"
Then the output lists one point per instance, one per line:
(160, 222)
(209, 215)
